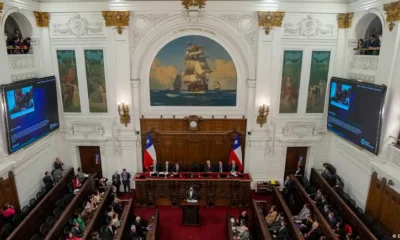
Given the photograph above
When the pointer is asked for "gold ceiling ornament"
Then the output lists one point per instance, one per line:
(42, 19)
(392, 13)
(345, 20)
(117, 19)
(1, 8)
(269, 20)
(193, 3)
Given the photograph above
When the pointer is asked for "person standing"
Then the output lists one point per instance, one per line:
(58, 164)
(126, 180)
(116, 180)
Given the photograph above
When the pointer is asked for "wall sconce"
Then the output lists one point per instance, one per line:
(123, 111)
(262, 115)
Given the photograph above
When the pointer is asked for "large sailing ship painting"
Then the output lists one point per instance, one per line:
(193, 71)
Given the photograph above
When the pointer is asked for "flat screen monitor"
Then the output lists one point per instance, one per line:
(355, 112)
(30, 110)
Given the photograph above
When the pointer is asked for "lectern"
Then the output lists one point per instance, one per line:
(190, 213)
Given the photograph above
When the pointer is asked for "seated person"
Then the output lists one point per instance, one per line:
(132, 234)
(47, 179)
(208, 167)
(176, 168)
(77, 231)
(314, 232)
(302, 214)
(244, 234)
(98, 197)
(244, 217)
(117, 206)
(78, 219)
(326, 210)
(115, 221)
(27, 44)
(331, 220)
(8, 212)
(339, 231)
(349, 236)
(271, 217)
(76, 182)
(191, 194)
(233, 167)
(167, 167)
(140, 228)
(114, 192)
(95, 236)
(282, 232)
(110, 211)
(70, 236)
(277, 224)
(81, 174)
(317, 197)
(108, 232)
(306, 224)
(57, 175)
(221, 167)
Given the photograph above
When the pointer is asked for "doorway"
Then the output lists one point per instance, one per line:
(90, 160)
(295, 156)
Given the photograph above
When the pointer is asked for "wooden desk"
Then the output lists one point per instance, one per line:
(280, 203)
(345, 212)
(30, 225)
(212, 189)
(153, 222)
(97, 219)
(126, 220)
(58, 229)
(301, 197)
(190, 213)
(259, 227)
(229, 226)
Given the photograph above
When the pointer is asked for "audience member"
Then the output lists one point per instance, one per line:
(98, 197)
(373, 42)
(117, 206)
(132, 234)
(282, 231)
(208, 167)
(114, 192)
(81, 174)
(287, 189)
(58, 164)
(314, 233)
(76, 182)
(57, 175)
(326, 210)
(331, 220)
(47, 179)
(95, 236)
(8, 212)
(108, 232)
(244, 234)
(360, 43)
(77, 231)
(141, 230)
(126, 180)
(277, 224)
(110, 211)
(244, 217)
(27, 44)
(70, 236)
(306, 224)
(339, 231)
(271, 217)
(115, 221)
(116, 180)
(303, 213)
(78, 219)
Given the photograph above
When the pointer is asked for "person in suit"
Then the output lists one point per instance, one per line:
(317, 197)
(176, 168)
(58, 164)
(271, 217)
(208, 167)
(76, 182)
(114, 194)
(81, 174)
(233, 167)
(373, 42)
(140, 228)
(167, 167)
(76, 230)
(287, 188)
(282, 231)
(47, 179)
(244, 234)
(95, 236)
(126, 180)
(57, 175)
(107, 231)
(116, 205)
(302, 214)
(339, 231)
(314, 232)
(244, 216)
(277, 224)
(116, 180)
(331, 220)
(221, 167)
(326, 210)
(132, 234)
(191, 194)
(306, 224)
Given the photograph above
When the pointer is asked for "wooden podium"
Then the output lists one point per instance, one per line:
(190, 213)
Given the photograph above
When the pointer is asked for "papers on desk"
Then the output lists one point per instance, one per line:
(85, 175)
(234, 174)
(192, 201)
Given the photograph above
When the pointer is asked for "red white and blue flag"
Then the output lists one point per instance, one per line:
(236, 153)
(150, 157)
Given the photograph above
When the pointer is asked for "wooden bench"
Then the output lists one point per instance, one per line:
(152, 234)
(345, 212)
(87, 189)
(37, 216)
(259, 227)
(98, 218)
(301, 197)
(126, 220)
(280, 203)
(229, 226)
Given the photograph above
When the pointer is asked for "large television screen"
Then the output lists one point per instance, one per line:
(355, 112)
(30, 110)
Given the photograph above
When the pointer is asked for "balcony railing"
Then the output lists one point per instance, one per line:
(23, 66)
(363, 67)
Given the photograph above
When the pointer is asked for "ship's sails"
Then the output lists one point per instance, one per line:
(196, 66)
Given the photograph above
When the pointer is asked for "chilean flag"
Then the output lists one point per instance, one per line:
(150, 157)
(236, 153)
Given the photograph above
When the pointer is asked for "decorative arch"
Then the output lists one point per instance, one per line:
(364, 21)
(211, 27)
(25, 21)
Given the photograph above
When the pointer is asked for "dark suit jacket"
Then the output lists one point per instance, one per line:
(164, 168)
(47, 180)
(282, 232)
(176, 170)
(77, 232)
(116, 180)
(208, 169)
(246, 218)
(132, 235)
(374, 43)
(58, 165)
(314, 235)
(194, 195)
(332, 222)
(140, 229)
(107, 234)
(233, 170)
(117, 208)
(218, 168)
(128, 177)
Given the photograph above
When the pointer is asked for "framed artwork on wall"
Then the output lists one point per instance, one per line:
(291, 74)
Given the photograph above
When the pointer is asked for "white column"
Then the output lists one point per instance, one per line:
(343, 56)
(46, 58)
(5, 78)
(135, 83)
(251, 93)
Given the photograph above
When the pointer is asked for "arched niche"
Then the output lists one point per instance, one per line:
(369, 24)
(23, 20)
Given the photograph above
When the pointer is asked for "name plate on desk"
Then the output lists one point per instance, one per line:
(192, 201)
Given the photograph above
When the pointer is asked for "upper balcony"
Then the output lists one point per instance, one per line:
(23, 66)
(364, 67)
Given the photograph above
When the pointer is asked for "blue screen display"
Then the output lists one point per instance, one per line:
(355, 112)
(31, 111)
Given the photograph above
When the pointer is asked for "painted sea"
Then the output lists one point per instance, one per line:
(225, 98)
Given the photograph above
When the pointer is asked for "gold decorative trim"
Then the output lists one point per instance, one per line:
(42, 19)
(270, 19)
(116, 19)
(1, 8)
(392, 13)
(193, 3)
(345, 20)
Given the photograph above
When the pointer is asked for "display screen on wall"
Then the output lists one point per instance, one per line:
(355, 112)
(30, 110)
(291, 74)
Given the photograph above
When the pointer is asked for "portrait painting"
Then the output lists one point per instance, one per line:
(193, 71)
(291, 74)
(96, 81)
(318, 81)
(68, 80)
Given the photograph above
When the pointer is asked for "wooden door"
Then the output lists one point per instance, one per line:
(293, 156)
(375, 194)
(90, 159)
